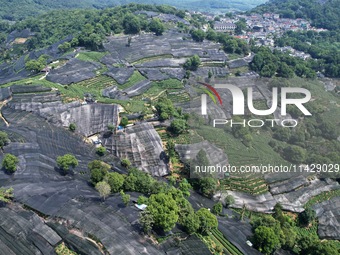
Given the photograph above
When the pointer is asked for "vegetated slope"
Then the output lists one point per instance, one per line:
(21, 9)
(323, 13)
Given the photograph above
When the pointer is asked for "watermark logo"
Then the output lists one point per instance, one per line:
(211, 91)
(239, 99)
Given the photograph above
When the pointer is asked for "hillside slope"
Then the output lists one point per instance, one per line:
(20, 9)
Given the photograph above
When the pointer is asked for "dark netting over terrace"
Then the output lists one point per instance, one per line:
(108, 224)
(258, 203)
(17, 89)
(215, 71)
(328, 213)
(23, 232)
(114, 93)
(142, 145)
(291, 194)
(39, 184)
(112, 59)
(5, 93)
(191, 246)
(175, 73)
(77, 242)
(74, 71)
(153, 74)
(215, 155)
(92, 118)
(170, 43)
(164, 62)
(295, 200)
(51, 51)
(237, 63)
(214, 111)
(237, 233)
(138, 89)
(120, 74)
(288, 185)
(89, 119)
(9, 71)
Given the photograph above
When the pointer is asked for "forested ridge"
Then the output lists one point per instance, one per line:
(14, 10)
(19, 9)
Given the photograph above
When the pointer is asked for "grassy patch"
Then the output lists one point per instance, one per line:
(248, 184)
(238, 153)
(147, 59)
(131, 106)
(242, 69)
(135, 78)
(218, 237)
(91, 56)
(161, 87)
(234, 56)
(62, 249)
(324, 196)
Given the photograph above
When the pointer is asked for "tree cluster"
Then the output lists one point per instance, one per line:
(321, 46)
(269, 64)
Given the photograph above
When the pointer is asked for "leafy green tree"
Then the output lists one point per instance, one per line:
(103, 188)
(9, 163)
(290, 237)
(192, 63)
(217, 208)
(208, 186)
(170, 148)
(147, 221)
(164, 210)
(157, 26)
(241, 25)
(3, 139)
(178, 126)
(125, 198)
(131, 24)
(6, 194)
(278, 215)
(98, 170)
(208, 221)
(211, 35)
(229, 200)
(125, 162)
(268, 70)
(130, 182)
(198, 35)
(172, 180)
(329, 130)
(165, 109)
(247, 140)
(295, 154)
(111, 127)
(307, 216)
(116, 181)
(101, 151)
(285, 71)
(124, 121)
(142, 200)
(67, 161)
(185, 187)
(266, 240)
(191, 223)
(34, 65)
(72, 127)
(64, 47)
